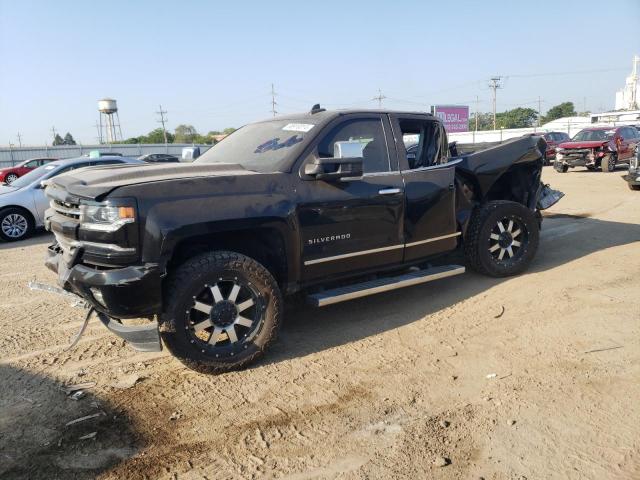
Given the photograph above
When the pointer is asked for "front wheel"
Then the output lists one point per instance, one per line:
(15, 224)
(502, 238)
(9, 179)
(608, 163)
(223, 310)
(561, 167)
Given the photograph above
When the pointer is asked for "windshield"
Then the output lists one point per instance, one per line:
(593, 135)
(32, 176)
(263, 147)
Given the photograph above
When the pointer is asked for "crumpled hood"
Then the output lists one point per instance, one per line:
(585, 144)
(96, 182)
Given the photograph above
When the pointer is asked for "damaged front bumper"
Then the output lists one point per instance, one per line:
(128, 292)
(547, 197)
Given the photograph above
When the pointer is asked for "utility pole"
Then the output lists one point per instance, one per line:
(53, 130)
(162, 121)
(273, 100)
(477, 103)
(20, 139)
(379, 98)
(494, 84)
(539, 110)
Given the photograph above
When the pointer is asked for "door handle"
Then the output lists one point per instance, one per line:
(389, 191)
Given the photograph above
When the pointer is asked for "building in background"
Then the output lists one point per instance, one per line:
(627, 98)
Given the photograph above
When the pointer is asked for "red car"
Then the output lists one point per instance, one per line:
(598, 147)
(553, 139)
(10, 174)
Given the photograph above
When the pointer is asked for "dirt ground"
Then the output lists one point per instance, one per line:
(382, 387)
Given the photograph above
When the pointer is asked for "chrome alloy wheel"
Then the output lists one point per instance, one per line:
(14, 225)
(225, 316)
(507, 239)
(9, 179)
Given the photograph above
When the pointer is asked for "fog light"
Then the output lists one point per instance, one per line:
(97, 294)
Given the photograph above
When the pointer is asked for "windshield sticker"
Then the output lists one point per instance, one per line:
(298, 127)
(274, 144)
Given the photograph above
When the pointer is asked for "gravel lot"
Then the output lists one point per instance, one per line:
(425, 382)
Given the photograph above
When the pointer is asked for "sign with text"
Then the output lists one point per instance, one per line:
(454, 117)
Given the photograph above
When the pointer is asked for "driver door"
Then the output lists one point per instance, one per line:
(352, 224)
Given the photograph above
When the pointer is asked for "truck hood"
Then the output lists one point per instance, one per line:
(96, 182)
(589, 144)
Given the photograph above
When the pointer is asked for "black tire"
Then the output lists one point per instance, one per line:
(515, 248)
(608, 163)
(9, 179)
(560, 167)
(591, 168)
(209, 280)
(15, 224)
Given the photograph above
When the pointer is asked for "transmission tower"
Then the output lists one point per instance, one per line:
(494, 84)
(273, 100)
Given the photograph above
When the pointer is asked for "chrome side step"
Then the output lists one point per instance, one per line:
(342, 294)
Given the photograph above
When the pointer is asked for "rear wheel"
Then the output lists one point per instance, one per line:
(502, 238)
(608, 163)
(12, 177)
(15, 224)
(223, 310)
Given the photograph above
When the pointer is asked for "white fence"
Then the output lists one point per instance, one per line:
(10, 156)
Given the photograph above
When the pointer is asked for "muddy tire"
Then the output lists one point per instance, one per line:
(608, 163)
(222, 311)
(15, 224)
(502, 239)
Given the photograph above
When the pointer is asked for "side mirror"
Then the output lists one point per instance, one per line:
(334, 168)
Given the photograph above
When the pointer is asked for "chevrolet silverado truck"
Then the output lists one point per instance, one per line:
(325, 205)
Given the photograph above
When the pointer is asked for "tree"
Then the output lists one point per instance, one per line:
(516, 118)
(185, 134)
(485, 121)
(229, 131)
(58, 140)
(565, 109)
(68, 139)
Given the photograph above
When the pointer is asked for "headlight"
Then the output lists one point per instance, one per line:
(106, 218)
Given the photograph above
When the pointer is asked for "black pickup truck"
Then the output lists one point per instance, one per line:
(327, 205)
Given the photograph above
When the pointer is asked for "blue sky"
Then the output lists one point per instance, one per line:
(211, 64)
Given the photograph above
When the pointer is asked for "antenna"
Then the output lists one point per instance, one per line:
(162, 121)
(379, 98)
(273, 100)
(494, 84)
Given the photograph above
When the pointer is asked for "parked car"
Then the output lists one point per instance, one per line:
(159, 158)
(633, 176)
(553, 139)
(11, 174)
(23, 203)
(597, 147)
(324, 204)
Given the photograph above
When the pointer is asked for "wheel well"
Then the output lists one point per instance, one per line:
(265, 245)
(518, 184)
(22, 209)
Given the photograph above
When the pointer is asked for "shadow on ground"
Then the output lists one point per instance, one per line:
(36, 442)
(40, 237)
(563, 240)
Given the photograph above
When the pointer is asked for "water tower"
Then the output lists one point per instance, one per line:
(109, 121)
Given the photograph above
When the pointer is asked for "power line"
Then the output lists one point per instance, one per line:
(273, 100)
(162, 121)
(379, 98)
(494, 84)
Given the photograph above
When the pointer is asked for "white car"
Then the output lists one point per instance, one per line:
(22, 204)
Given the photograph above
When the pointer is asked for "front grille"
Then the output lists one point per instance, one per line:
(577, 153)
(69, 210)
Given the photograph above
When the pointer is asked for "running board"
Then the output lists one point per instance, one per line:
(342, 294)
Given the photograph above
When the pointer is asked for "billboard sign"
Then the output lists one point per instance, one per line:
(454, 117)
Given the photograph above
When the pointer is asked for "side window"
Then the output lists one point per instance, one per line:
(32, 164)
(430, 145)
(363, 136)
